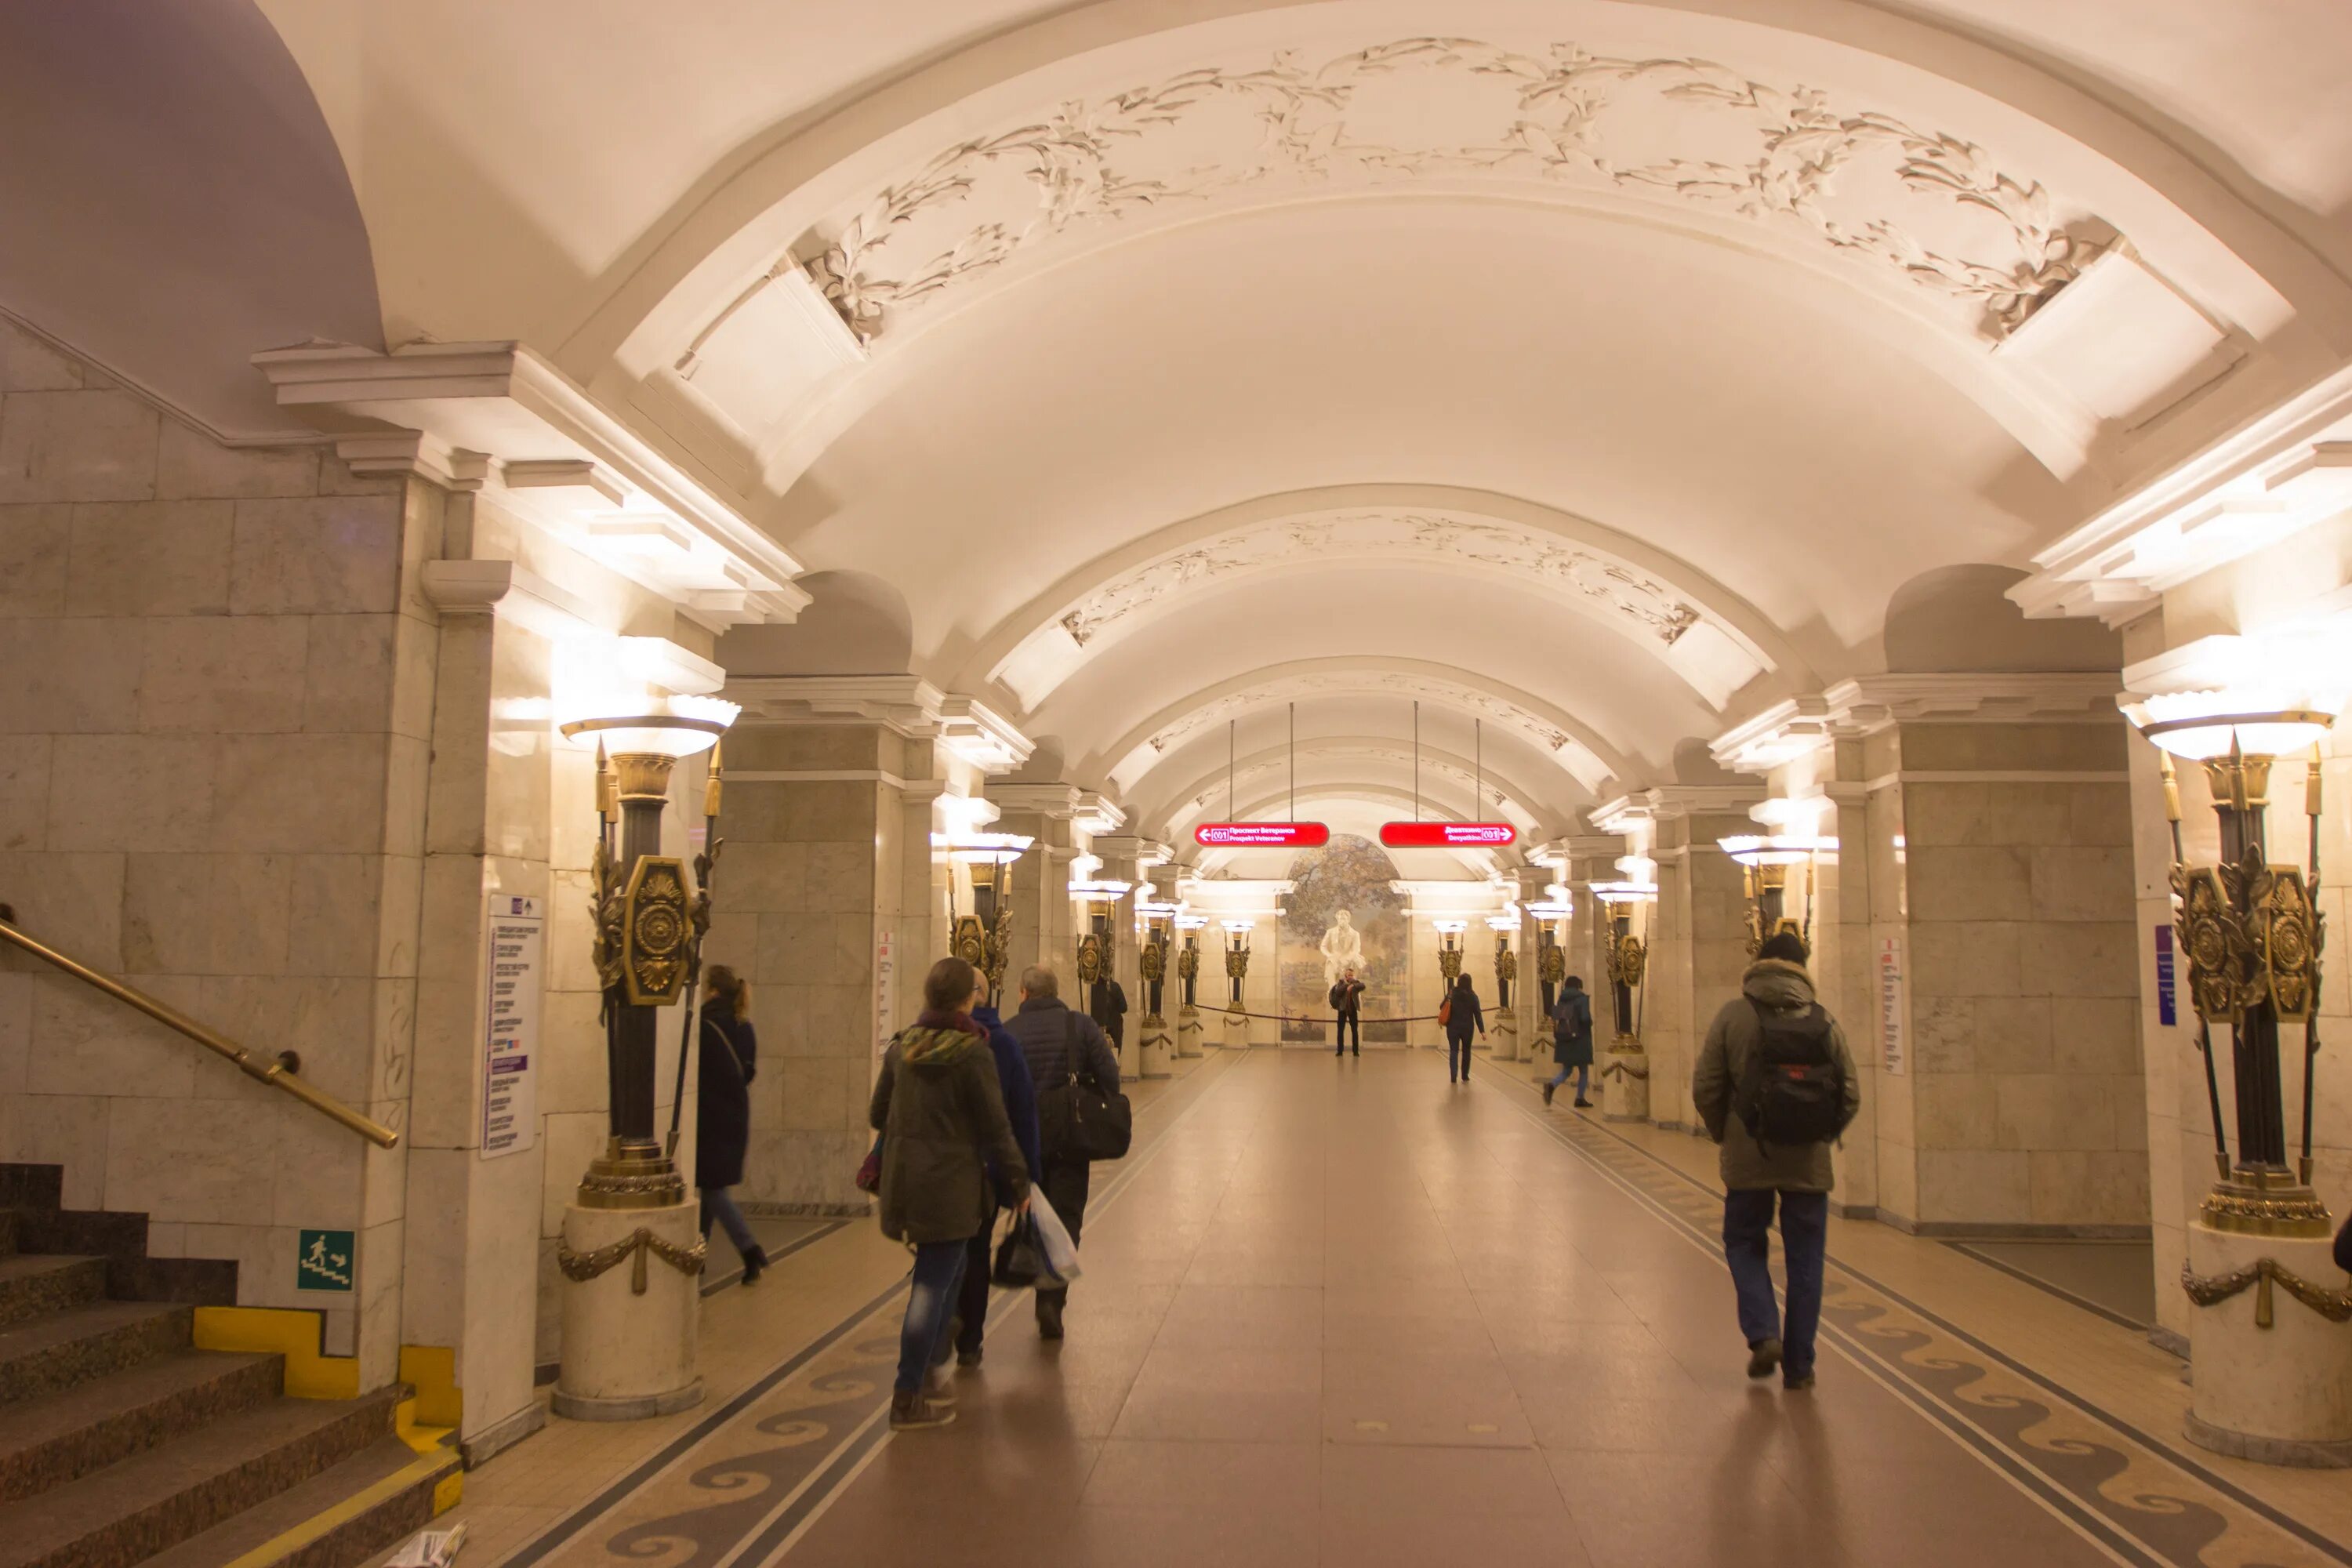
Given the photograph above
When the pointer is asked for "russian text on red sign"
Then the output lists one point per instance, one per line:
(1447, 834)
(1260, 834)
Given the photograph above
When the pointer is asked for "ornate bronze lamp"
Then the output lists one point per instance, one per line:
(1237, 957)
(2271, 1385)
(2252, 937)
(629, 1348)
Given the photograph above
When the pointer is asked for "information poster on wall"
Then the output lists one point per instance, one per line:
(517, 941)
(1890, 1004)
(2167, 1009)
(885, 945)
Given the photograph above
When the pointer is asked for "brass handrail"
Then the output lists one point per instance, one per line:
(278, 1074)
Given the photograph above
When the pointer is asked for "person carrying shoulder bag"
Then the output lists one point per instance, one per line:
(1081, 1113)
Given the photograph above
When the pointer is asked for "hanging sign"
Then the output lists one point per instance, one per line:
(1260, 834)
(516, 937)
(1447, 834)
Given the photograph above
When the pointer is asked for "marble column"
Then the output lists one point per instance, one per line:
(1699, 952)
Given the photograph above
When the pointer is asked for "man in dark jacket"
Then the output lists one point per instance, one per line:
(1462, 1015)
(1571, 1040)
(1021, 1110)
(1057, 1043)
(1797, 1174)
(1110, 1011)
(1348, 1009)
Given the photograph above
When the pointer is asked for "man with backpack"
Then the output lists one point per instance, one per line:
(1071, 1066)
(1775, 1086)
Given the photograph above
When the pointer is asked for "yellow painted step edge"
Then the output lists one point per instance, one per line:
(289, 1332)
(445, 1493)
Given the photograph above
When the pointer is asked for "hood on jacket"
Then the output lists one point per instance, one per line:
(1778, 983)
(932, 1046)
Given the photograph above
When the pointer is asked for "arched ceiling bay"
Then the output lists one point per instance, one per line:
(1447, 782)
(1699, 629)
(1369, 691)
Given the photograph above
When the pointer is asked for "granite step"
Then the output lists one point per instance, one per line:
(342, 1517)
(132, 1510)
(58, 1351)
(60, 1437)
(33, 1285)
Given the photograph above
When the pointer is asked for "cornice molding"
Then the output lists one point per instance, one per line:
(496, 417)
(907, 705)
(1867, 704)
(2267, 480)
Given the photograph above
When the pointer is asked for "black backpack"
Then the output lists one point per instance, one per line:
(1792, 1090)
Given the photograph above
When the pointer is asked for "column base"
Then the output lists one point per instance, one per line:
(1237, 1032)
(1155, 1048)
(2273, 1374)
(1502, 1037)
(631, 1309)
(1191, 1037)
(1624, 1086)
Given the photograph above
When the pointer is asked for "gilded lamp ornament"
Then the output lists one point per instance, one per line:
(2252, 938)
(647, 921)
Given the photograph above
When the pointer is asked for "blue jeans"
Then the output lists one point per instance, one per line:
(939, 1274)
(1583, 1072)
(719, 1204)
(1748, 1247)
(1457, 1051)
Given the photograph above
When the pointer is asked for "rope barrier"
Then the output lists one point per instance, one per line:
(1310, 1018)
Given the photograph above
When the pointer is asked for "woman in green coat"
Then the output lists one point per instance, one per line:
(942, 1116)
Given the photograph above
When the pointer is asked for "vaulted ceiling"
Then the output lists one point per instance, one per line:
(1191, 374)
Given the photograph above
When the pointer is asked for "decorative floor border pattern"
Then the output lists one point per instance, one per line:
(2137, 1496)
(741, 1484)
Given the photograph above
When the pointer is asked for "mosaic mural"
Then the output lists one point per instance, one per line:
(1353, 874)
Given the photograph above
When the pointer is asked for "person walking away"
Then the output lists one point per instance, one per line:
(1059, 1045)
(1571, 1040)
(1775, 1085)
(722, 1110)
(1462, 1015)
(1348, 1006)
(1021, 1110)
(942, 1120)
(1110, 1012)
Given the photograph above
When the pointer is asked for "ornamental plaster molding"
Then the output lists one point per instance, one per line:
(1683, 129)
(1703, 634)
(907, 705)
(1615, 587)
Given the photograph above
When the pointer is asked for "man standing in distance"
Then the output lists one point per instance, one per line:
(1060, 1045)
(1348, 1004)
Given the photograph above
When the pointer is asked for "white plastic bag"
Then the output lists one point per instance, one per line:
(1061, 1252)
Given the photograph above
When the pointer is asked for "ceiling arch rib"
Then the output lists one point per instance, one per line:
(1575, 745)
(1449, 780)
(1929, 197)
(1708, 637)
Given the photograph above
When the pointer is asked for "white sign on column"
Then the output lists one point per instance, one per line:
(517, 940)
(885, 990)
(1890, 1003)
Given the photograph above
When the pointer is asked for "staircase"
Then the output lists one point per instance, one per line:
(121, 1443)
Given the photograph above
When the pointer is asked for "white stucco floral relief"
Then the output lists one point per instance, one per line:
(1680, 129)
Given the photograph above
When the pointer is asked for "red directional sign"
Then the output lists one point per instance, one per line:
(1260, 834)
(1448, 835)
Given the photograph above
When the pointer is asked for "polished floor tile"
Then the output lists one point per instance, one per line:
(1378, 1319)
